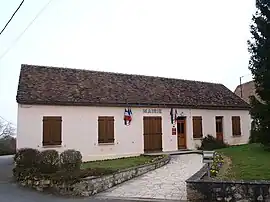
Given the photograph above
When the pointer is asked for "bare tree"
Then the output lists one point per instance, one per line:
(6, 129)
(7, 139)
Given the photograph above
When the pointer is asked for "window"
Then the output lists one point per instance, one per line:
(106, 129)
(52, 130)
(236, 126)
(197, 127)
(180, 127)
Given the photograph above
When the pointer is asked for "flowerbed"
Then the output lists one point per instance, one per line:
(216, 165)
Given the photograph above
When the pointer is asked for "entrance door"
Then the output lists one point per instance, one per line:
(181, 133)
(219, 128)
(152, 132)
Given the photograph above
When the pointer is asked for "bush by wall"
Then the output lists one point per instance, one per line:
(48, 161)
(26, 158)
(70, 160)
(211, 143)
(46, 164)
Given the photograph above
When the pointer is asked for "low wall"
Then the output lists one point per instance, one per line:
(91, 185)
(199, 189)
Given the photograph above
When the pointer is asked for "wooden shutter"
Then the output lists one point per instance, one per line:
(46, 132)
(106, 129)
(197, 127)
(110, 130)
(52, 130)
(57, 131)
(101, 130)
(236, 126)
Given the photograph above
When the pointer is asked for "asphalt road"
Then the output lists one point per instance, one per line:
(10, 192)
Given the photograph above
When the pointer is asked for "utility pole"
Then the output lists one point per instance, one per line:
(241, 87)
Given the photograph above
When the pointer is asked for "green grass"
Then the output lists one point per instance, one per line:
(249, 162)
(116, 164)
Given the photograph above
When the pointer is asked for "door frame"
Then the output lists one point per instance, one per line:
(183, 119)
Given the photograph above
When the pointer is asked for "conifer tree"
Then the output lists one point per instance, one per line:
(259, 65)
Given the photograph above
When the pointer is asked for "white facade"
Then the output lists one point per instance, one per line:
(79, 129)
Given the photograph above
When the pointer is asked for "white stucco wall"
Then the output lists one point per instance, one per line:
(79, 129)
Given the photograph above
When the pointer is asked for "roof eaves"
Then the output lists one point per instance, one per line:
(175, 105)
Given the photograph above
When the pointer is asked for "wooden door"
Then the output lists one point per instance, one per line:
(181, 133)
(219, 128)
(152, 132)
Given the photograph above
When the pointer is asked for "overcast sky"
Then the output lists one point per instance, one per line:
(196, 40)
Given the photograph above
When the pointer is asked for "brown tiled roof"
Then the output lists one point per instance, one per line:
(248, 89)
(64, 86)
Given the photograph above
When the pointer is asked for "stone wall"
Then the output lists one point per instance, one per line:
(91, 185)
(202, 189)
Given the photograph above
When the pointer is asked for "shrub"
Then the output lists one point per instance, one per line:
(71, 160)
(7, 145)
(26, 158)
(49, 161)
(211, 143)
(254, 132)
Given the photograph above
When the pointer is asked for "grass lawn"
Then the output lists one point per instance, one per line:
(248, 162)
(116, 164)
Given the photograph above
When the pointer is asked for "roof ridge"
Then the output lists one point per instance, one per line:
(119, 73)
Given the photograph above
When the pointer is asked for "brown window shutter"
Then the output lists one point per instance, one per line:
(57, 131)
(101, 130)
(46, 133)
(197, 127)
(105, 129)
(52, 130)
(236, 126)
(110, 130)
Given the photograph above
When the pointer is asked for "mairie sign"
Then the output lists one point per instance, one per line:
(152, 111)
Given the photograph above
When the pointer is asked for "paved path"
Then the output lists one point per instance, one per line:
(6, 166)
(167, 182)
